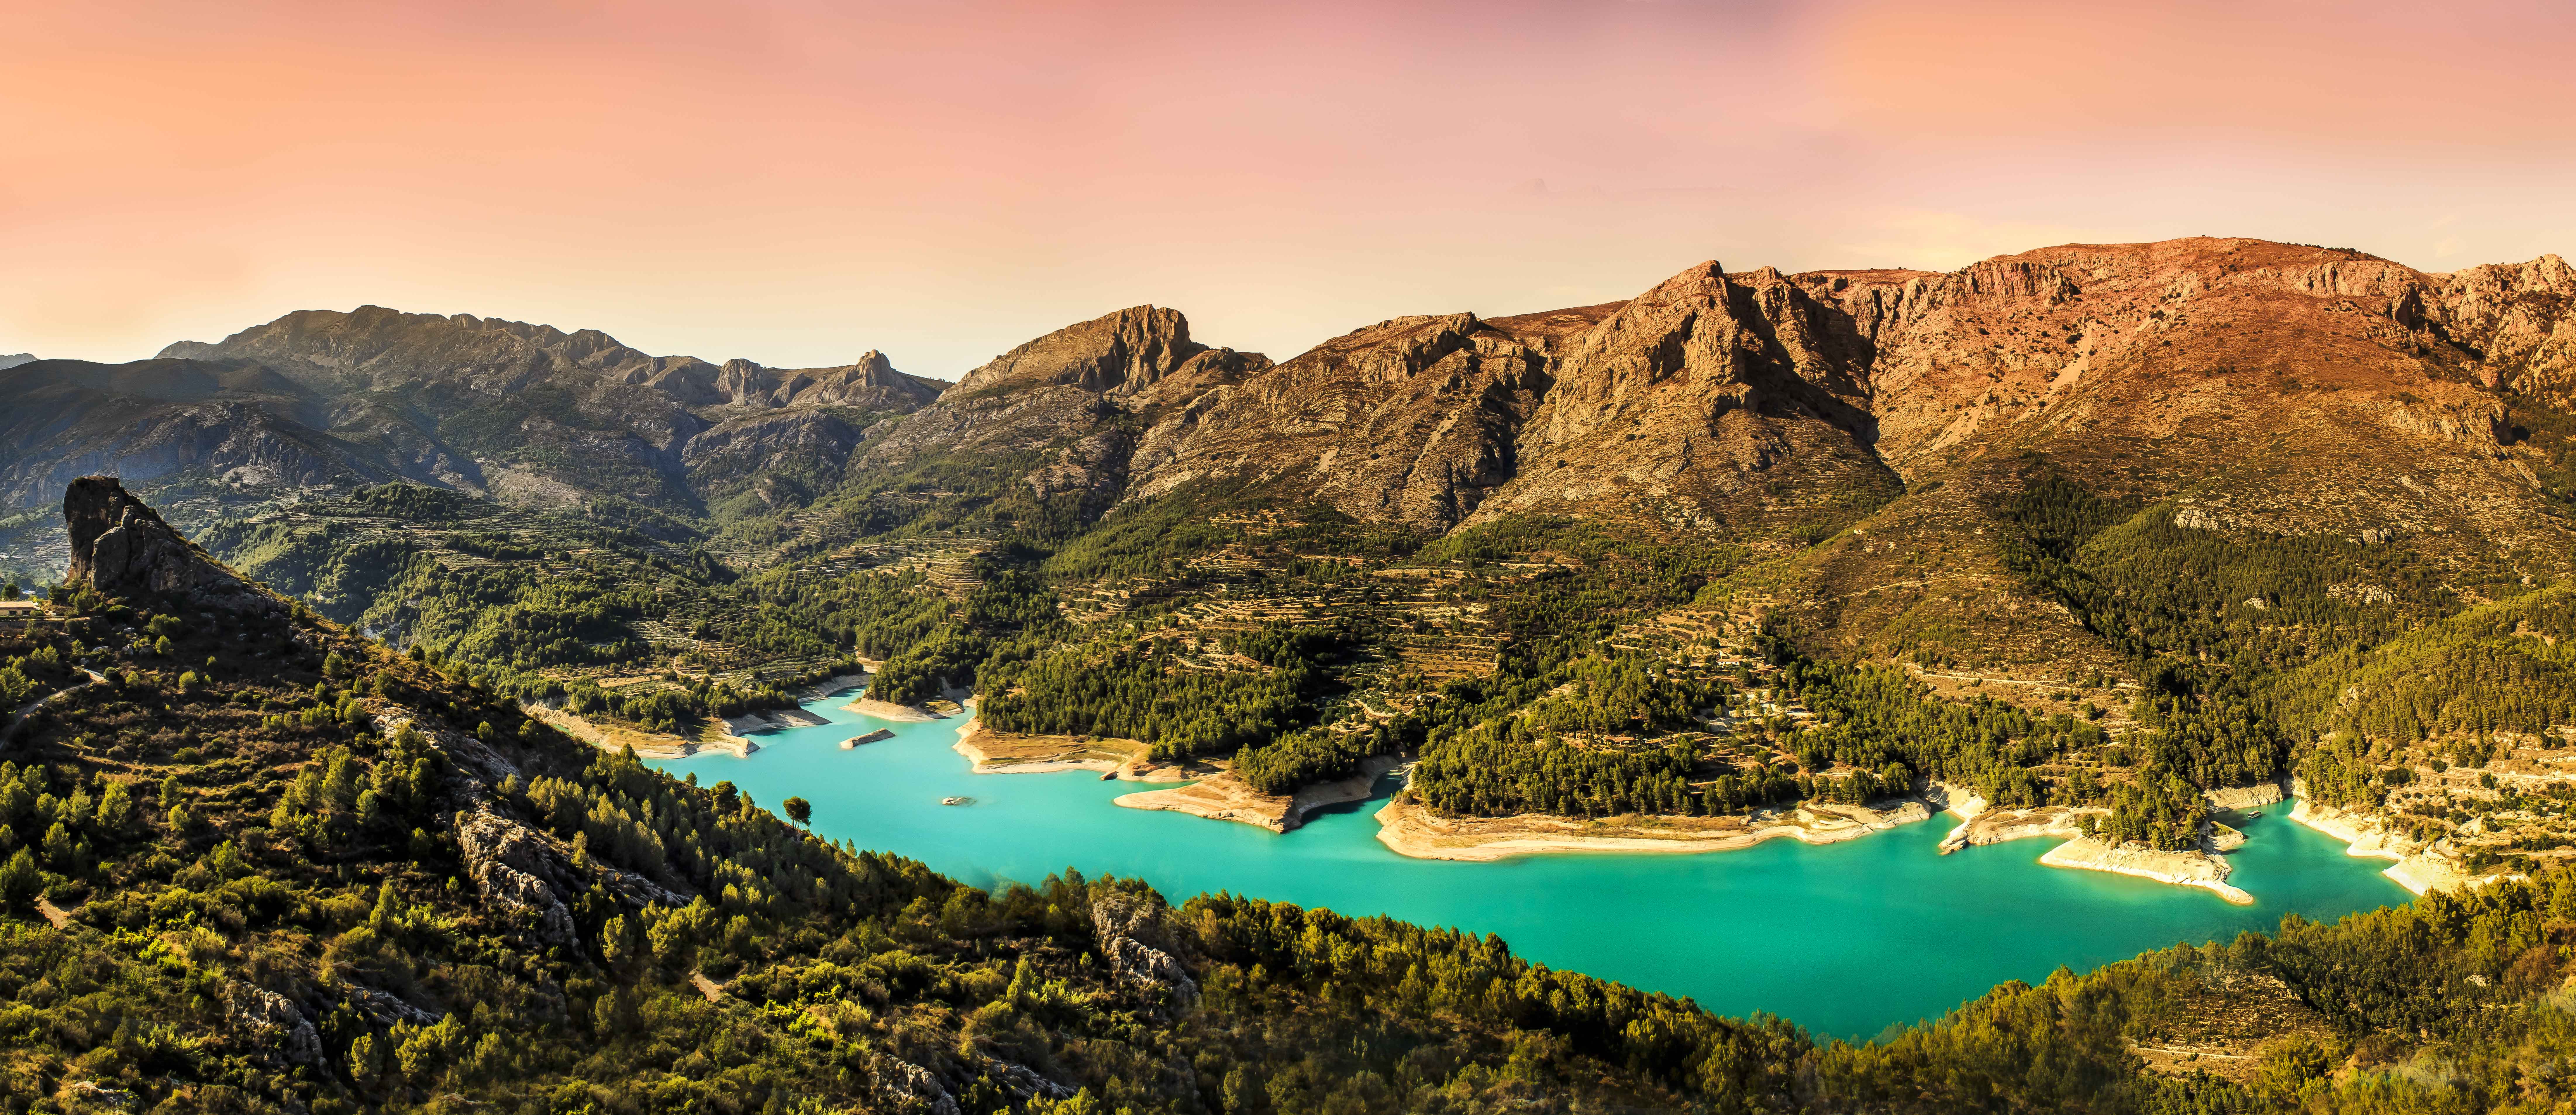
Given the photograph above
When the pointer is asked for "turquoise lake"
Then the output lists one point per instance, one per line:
(1845, 939)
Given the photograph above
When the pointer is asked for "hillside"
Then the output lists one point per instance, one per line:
(525, 414)
(2068, 528)
(308, 874)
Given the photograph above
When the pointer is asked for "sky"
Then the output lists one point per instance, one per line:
(797, 182)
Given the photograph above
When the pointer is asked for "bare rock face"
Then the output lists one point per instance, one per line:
(272, 1024)
(1125, 352)
(511, 866)
(1069, 399)
(121, 547)
(871, 383)
(910, 1087)
(1132, 936)
(1409, 420)
(2518, 319)
(1693, 396)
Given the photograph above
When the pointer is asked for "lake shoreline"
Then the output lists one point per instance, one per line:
(1223, 797)
(2182, 869)
(646, 745)
(2420, 868)
(1409, 829)
(1797, 917)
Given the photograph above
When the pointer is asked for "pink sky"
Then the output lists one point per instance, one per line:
(797, 182)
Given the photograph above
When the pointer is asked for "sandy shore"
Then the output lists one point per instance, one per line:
(888, 710)
(1411, 830)
(838, 683)
(2420, 868)
(647, 745)
(993, 752)
(1996, 826)
(1223, 797)
(2185, 869)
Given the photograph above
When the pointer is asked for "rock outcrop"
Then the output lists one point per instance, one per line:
(512, 868)
(1067, 404)
(121, 547)
(1133, 937)
(272, 1025)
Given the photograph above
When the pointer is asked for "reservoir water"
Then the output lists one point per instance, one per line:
(1845, 939)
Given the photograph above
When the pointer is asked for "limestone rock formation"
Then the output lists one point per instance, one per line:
(2517, 320)
(1132, 936)
(871, 383)
(1409, 420)
(1693, 397)
(511, 866)
(121, 547)
(1057, 402)
(272, 1025)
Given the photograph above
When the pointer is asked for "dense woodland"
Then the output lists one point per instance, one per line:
(2232, 638)
(1143, 691)
(268, 863)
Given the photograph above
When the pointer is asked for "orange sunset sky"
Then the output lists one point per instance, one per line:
(799, 182)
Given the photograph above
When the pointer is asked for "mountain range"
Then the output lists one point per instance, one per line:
(1852, 422)
(323, 791)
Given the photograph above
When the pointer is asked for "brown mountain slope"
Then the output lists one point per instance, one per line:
(1409, 420)
(1712, 402)
(526, 413)
(1069, 402)
(2264, 390)
(2269, 390)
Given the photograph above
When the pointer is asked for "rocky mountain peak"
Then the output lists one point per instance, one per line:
(1126, 351)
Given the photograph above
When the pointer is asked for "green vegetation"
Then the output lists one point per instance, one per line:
(2243, 641)
(269, 870)
(1143, 692)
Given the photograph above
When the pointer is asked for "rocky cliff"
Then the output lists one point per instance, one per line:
(121, 547)
(1865, 424)
(2278, 390)
(1066, 406)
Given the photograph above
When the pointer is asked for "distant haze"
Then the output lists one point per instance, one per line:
(797, 184)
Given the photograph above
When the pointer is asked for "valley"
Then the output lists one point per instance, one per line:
(487, 678)
(1769, 928)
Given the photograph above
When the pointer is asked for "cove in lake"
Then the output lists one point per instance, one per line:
(1845, 939)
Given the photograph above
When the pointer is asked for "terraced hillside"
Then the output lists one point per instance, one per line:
(258, 862)
(2061, 529)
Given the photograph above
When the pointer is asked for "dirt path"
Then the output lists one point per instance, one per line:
(707, 987)
(10, 733)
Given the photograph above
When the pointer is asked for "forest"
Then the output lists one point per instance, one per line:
(1147, 692)
(263, 872)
